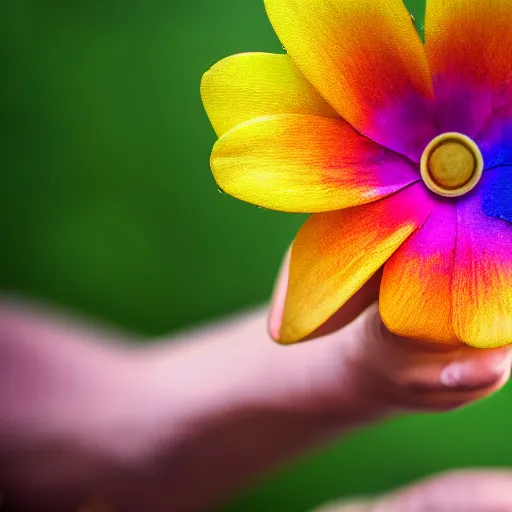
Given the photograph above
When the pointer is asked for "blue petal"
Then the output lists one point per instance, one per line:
(497, 193)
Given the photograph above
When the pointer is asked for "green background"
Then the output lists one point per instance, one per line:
(108, 208)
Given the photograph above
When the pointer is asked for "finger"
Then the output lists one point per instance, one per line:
(461, 491)
(367, 295)
(404, 373)
(468, 491)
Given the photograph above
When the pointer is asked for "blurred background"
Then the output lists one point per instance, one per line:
(108, 208)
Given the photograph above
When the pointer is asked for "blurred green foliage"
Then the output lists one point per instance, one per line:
(108, 207)
(107, 202)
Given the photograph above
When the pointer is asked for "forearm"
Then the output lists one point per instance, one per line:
(179, 424)
(221, 407)
(206, 411)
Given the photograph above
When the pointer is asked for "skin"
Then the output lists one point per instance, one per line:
(461, 491)
(92, 421)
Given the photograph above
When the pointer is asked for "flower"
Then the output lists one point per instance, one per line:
(401, 151)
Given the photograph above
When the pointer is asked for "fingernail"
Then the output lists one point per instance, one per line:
(478, 372)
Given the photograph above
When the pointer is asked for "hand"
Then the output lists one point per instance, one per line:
(85, 417)
(400, 374)
(461, 491)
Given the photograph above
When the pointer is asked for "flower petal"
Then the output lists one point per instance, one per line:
(469, 44)
(250, 85)
(416, 289)
(497, 195)
(496, 140)
(366, 59)
(335, 253)
(482, 286)
(306, 164)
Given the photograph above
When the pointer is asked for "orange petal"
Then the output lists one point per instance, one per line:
(469, 47)
(306, 164)
(366, 59)
(482, 287)
(251, 85)
(416, 289)
(335, 253)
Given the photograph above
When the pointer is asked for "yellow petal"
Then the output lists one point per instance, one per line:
(306, 164)
(251, 85)
(335, 253)
(416, 290)
(366, 59)
(469, 48)
(482, 281)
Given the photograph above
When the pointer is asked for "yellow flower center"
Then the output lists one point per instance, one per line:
(451, 165)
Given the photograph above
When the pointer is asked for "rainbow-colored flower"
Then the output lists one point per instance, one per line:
(401, 151)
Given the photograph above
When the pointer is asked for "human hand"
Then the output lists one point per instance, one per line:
(459, 491)
(84, 417)
(398, 374)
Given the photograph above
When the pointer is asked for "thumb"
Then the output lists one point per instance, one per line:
(403, 372)
(417, 375)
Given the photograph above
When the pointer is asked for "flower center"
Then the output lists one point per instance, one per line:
(451, 165)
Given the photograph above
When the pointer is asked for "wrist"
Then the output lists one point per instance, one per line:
(189, 386)
(228, 394)
(343, 382)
